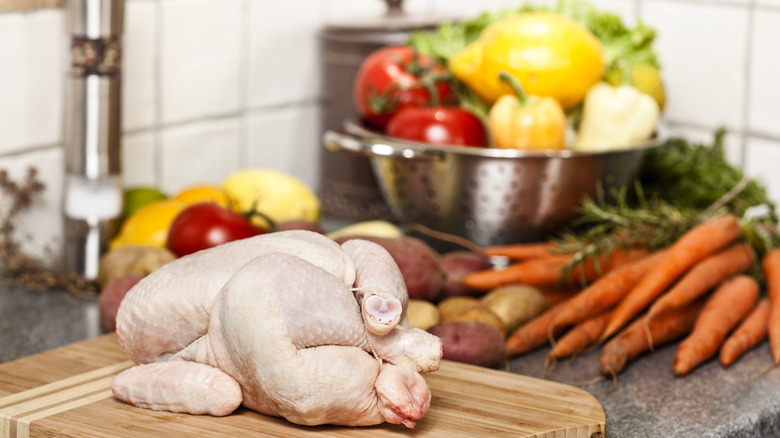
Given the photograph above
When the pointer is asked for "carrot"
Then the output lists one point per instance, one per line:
(532, 272)
(771, 267)
(730, 302)
(580, 336)
(606, 291)
(750, 332)
(555, 293)
(705, 275)
(696, 244)
(522, 251)
(532, 334)
(547, 270)
(633, 341)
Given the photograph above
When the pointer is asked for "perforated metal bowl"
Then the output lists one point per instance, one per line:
(487, 195)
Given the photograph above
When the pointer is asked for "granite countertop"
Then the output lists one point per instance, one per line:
(648, 401)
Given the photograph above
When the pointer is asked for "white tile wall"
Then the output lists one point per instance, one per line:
(31, 93)
(703, 50)
(200, 58)
(139, 159)
(140, 66)
(282, 73)
(277, 142)
(762, 159)
(211, 86)
(204, 152)
(764, 107)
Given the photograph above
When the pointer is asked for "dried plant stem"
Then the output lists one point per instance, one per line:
(18, 268)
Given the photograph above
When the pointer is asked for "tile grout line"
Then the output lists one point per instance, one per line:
(158, 107)
(746, 131)
(244, 153)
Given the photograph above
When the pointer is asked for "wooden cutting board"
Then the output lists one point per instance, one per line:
(66, 392)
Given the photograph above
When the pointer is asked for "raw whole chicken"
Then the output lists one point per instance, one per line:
(288, 324)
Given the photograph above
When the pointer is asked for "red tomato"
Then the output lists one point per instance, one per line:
(205, 225)
(389, 79)
(438, 125)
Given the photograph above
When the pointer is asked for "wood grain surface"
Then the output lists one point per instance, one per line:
(66, 392)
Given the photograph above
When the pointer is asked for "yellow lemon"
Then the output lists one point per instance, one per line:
(551, 55)
(645, 78)
(148, 225)
(204, 193)
(275, 194)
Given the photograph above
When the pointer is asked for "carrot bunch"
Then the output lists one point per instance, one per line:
(697, 289)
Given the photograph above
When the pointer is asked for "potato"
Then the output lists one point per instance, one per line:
(131, 259)
(456, 265)
(515, 304)
(470, 342)
(468, 309)
(299, 224)
(418, 262)
(112, 295)
(422, 314)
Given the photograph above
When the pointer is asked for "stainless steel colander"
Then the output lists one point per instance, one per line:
(486, 195)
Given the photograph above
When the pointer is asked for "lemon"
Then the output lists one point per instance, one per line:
(137, 197)
(203, 193)
(275, 194)
(148, 225)
(551, 55)
(645, 78)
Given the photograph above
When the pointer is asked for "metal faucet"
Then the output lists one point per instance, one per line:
(93, 195)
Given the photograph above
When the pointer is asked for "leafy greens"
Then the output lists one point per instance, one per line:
(630, 45)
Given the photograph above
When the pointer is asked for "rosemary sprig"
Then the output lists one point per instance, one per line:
(681, 184)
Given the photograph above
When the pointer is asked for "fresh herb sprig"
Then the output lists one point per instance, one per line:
(680, 184)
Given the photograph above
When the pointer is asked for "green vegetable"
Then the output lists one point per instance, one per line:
(680, 185)
(631, 45)
(694, 176)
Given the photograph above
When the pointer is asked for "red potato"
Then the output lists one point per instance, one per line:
(456, 265)
(420, 265)
(111, 296)
(299, 224)
(470, 342)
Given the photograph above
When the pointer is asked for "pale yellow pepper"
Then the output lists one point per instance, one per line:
(616, 118)
(526, 122)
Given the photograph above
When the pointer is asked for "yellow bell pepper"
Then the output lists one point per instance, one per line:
(526, 122)
(616, 117)
(551, 55)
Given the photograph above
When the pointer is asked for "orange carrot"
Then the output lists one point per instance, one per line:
(547, 270)
(522, 251)
(633, 341)
(696, 244)
(532, 334)
(580, 336)
(771, 267)
(730, 302)
(606, 291)
(705, 275)
(555, 293)
(532, 272)
(750, 332)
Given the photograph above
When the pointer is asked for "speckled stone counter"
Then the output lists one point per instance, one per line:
(32, 322)
(649, 400)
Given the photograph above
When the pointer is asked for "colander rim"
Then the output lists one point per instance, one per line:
(411, 148)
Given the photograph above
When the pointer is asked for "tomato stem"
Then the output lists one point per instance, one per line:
(254, 212)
